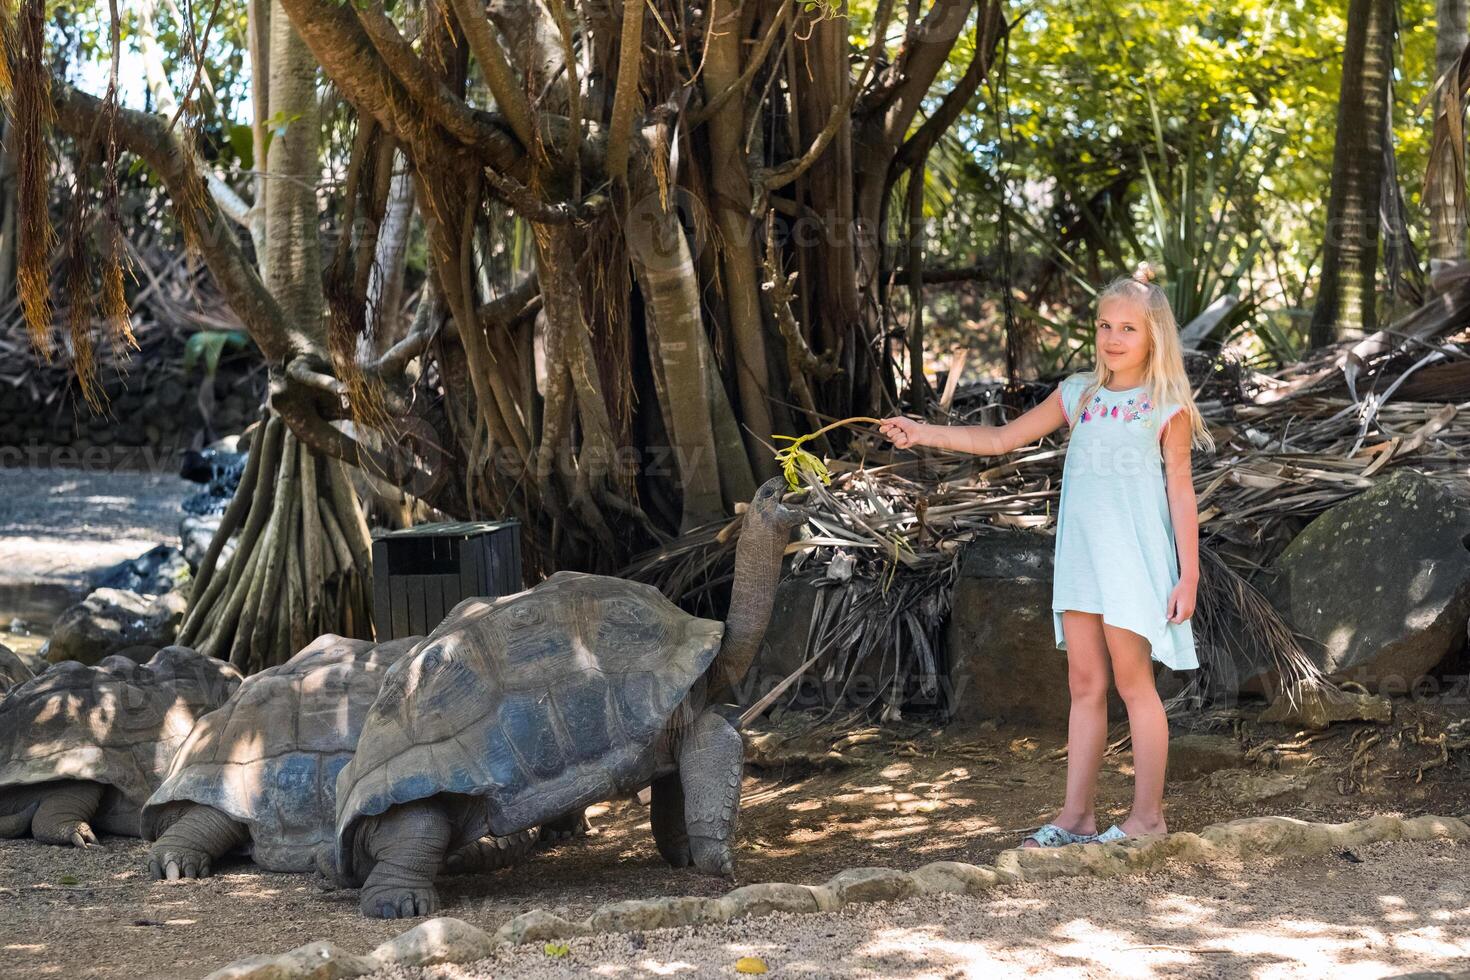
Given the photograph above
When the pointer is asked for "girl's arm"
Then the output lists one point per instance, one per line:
(1184, 512)
(982, 440)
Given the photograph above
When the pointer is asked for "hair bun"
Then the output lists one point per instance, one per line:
(1144, 272)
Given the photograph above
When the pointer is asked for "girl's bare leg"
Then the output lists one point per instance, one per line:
(1087, 724)
(1133, 672)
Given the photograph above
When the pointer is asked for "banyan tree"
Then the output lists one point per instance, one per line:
(657, 233)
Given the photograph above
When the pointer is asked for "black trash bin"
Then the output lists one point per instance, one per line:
(420, 573)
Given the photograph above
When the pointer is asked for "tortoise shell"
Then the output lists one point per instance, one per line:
(117, 722)
(269, 757)
(526, 706)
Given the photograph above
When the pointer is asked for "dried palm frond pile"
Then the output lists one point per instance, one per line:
(174, 306)
(883, 546)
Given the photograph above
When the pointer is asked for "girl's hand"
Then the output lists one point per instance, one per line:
(902, 432)
(1181, 601)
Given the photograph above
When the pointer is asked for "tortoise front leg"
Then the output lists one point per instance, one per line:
(195, 841)
(711, 764)
(407, 846)
(64, 814)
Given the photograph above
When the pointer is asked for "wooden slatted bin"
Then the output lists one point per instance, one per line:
(420, 573)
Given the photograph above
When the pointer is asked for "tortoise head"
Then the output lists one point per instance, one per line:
(767, 511)
(763, 535)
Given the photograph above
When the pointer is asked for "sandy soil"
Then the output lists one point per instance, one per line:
(915, 796)
(1405, 907)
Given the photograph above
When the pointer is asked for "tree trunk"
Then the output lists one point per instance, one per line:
(301, 564)
(1346, 303)
(733, 198)
(385, 283)
(1443, 196)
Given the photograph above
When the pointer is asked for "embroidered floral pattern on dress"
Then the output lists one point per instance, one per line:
(1134, 409)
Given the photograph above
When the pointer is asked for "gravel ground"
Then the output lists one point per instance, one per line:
(1404, 908)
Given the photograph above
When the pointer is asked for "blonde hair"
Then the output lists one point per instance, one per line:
(1163, 374)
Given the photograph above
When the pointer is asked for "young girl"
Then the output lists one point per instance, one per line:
(1127, 541)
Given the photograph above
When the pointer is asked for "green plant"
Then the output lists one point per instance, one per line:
(208, 346)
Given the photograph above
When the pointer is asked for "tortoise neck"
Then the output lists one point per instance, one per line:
(757, 568)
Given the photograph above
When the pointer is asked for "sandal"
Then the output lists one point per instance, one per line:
(1113, 833)
(1050, 835)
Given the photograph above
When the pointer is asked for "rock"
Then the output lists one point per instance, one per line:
(195, 533)
(770, 896)
(442, 940)
(1192, 756)
(155, 572)
(111, 620)
(654, 913)
(870, 885)
(447, 940)
(1003, 659)
(538, 926)
(320, 960)
(783, 648)
(1381, 582)
(18, 627)
(957, 878)
(1316, 708)
(219, 468)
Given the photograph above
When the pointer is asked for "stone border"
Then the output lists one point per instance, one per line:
(448, 940)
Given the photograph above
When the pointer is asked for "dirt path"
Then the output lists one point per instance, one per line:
(1404, 908)
(57, 526)
(901, 803)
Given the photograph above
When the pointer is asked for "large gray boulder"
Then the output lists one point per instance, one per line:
(1380, 583)
(784, 649)
(1003, 660)
(112, 621)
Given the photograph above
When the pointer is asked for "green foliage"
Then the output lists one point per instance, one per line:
(1196, 135)
(208, 346)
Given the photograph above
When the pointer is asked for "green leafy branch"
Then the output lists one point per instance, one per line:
(797, 463)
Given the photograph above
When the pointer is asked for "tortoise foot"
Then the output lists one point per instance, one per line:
(171, 863)
(76, 833)
(398, 902)
(713, 857)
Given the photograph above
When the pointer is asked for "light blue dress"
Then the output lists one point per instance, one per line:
(1115, 550)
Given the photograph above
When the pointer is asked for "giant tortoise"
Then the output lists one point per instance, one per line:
(82, 747)
(523, 709)
(260, 772)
